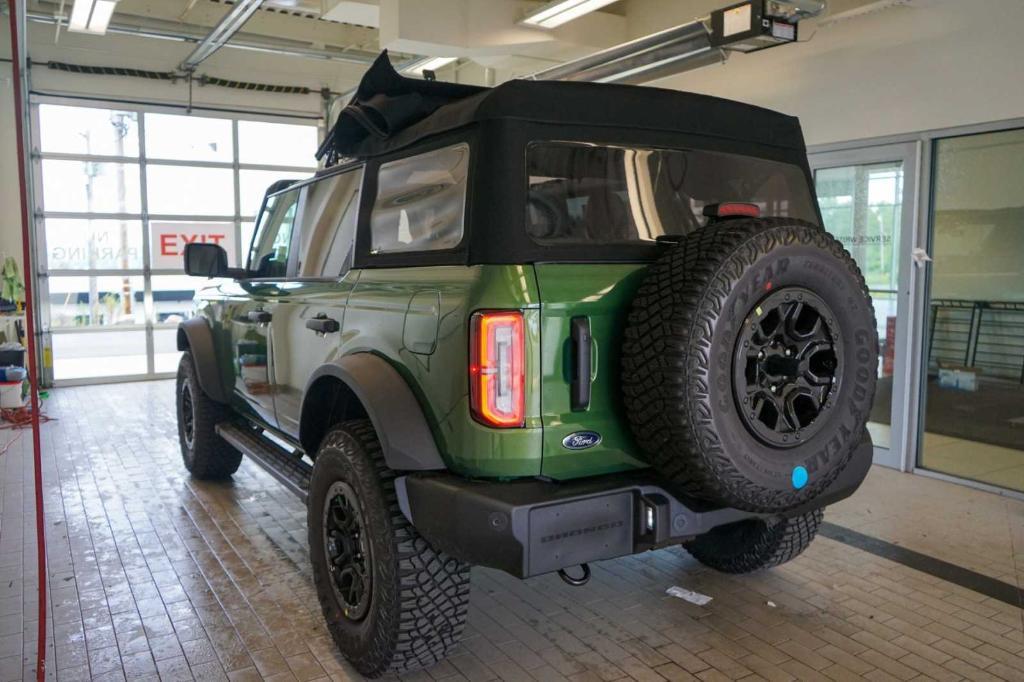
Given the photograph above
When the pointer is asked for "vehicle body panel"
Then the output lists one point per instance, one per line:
(600, 293)
(244, 344)
(297, 350)
(389, 313)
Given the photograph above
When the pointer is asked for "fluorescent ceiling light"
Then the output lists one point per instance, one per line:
(557, 13)
(91, 16)
(429, 64)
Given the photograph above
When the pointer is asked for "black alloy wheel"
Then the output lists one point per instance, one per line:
(188, 415)
(788, 366)
(348, 551)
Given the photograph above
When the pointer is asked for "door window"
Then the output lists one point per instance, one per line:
(328, 229)
(268, 256)
(421, 201)
(862, 206)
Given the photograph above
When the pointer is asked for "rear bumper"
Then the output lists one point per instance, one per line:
(530, 527)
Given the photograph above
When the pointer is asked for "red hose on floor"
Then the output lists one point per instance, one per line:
(30, 328)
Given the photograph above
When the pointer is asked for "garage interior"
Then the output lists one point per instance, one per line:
(147, 122)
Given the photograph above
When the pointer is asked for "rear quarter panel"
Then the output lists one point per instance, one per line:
(389, 313)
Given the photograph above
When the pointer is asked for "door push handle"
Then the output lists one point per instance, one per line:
(582, 370)
(259, 316)
(322, 324)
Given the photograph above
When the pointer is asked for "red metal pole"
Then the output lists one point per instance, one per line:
(30, 332)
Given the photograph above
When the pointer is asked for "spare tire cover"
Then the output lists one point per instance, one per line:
(749, 363)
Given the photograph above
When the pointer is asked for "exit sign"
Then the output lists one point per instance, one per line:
(168, 240)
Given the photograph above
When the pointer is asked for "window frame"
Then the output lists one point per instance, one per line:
(291, 237)
(642, 243)
(302, 186)
(456, 255)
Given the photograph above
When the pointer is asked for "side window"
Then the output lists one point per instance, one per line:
(421, 202)
(268, 256)
(328, 229)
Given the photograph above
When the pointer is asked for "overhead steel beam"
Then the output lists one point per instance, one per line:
(232, 22)
(150, 27)
(665, 53)
(641, 60)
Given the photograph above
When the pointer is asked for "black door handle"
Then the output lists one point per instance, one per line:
(579, 390)
(323, 325)
(259, 316)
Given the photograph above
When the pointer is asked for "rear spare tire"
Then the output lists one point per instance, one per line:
(749, 363)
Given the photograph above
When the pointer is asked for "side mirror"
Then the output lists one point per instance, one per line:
(207, 260)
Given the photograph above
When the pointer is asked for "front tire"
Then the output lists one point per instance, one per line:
(207, 456)
(755, 544)
(392, 603)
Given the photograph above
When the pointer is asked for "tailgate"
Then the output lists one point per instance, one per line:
(584, 438)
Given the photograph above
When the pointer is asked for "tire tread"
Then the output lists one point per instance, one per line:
(666, 357)
(773, 545)
(213, 458)
(433, 588)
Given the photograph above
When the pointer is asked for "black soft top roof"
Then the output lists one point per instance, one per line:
(390, 111)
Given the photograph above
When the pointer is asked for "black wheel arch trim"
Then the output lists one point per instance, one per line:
(405, 437)
(195, 336)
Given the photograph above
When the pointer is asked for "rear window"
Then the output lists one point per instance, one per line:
(583, 193)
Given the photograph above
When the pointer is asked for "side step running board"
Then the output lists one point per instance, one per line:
(291, 471)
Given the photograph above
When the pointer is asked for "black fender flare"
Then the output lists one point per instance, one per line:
(405, 437)
(195, 336)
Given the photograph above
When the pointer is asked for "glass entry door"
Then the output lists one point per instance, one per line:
(974, 370)
(867, 203)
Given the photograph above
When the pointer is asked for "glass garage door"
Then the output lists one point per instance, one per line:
(119, 192)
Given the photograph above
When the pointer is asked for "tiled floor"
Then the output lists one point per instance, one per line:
(152, 573)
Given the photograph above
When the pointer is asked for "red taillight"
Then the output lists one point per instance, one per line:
(497, 368)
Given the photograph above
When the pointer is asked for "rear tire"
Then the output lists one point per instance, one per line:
(754, 544)
(392, 602)
(207, 456)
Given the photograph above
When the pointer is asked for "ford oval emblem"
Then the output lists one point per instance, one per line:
(581, 440)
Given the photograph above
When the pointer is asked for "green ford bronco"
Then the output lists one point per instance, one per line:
(532, 327)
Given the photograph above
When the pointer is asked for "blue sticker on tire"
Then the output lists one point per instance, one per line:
(799, 477)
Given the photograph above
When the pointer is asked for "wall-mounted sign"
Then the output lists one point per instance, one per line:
(168, 240)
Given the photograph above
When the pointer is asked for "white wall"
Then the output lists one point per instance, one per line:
(10, 216)
(930, 64)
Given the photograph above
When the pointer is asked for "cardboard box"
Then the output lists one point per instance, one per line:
(958, 378)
